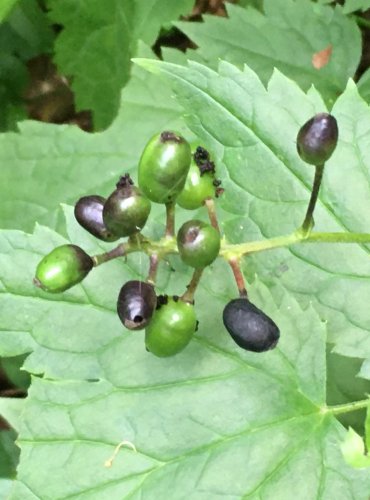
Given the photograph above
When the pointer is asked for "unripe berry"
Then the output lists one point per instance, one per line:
(62, 268)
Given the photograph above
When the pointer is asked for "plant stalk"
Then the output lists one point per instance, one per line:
(188, 296)
(170, 220)
(308, 220)
(238, 275)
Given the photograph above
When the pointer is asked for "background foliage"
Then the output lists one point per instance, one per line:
(213, 421)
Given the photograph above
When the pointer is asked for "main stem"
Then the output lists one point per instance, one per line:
(308, 220)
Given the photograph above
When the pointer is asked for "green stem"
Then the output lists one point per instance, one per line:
(188, 296)
(236, 251)
(119, 251)
(168, 245)
(170, 219)
(347, 407)
(308, 220)
(337, 238)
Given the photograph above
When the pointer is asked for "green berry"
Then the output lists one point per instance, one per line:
(198, 243)
(163, 167)
(200, 182)
(62, 268)
(126, 210)
(136, 303)
(250, 327)
(89, 214)
(171, 327)
(317, 139)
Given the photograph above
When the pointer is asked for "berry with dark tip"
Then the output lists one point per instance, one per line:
(250, 327)
(126, 210)
(317, 139)
(200, 182)
(89, 214)
(136, 304)
(171, 328)
(163, 167)
(62, 268)
(198, 243)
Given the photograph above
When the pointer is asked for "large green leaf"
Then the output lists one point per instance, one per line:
(199, 420)
(286, 37)
(97, 51)
(44, 165)
(252, 133)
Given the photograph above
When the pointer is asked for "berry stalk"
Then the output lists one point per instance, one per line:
(308, 220)
(188, 296)
(212, 214)
(170, 219)
(238, 275)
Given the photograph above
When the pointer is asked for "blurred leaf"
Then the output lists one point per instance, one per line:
(353, 450)
(5, 8)
(97, 51)
(285, 37)
(12, 367)
(11, 409)
(62, 163)
(9, 454)
(353, 5)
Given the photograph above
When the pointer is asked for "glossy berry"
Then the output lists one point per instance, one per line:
(317, 139)
(198, 243)
(163, 167)
(200, 182)
(126, 210)
(249, 327)
(62, 268)
(89, 214)
(171, 328)
(136, 304)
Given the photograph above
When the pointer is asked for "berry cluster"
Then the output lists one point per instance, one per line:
(170, 173)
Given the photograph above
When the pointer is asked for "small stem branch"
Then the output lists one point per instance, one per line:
(348, 407)
(212, 214)
(170, 219)
(238, 275)
(238, 250)
(188, 296)
(119, 251)
(308, 220)
(153, 268)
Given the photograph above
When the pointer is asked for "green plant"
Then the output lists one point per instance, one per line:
(295, 239)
